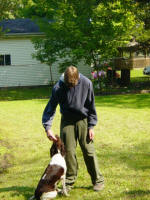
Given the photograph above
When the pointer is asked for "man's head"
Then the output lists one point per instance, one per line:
(71, 76)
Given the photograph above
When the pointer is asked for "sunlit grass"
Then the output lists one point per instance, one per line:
(137, 73)
(122, 145)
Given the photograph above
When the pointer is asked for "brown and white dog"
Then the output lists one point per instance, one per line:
(55, 171)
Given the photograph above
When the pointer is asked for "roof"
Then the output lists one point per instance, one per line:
(135, 46)
(19, 26)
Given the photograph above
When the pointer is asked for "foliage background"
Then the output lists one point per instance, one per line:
(88, 30)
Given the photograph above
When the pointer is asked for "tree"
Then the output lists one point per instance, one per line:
(88, 30)
(143, 13)
(8, 9)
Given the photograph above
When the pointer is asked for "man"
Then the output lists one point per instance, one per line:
(74, 93)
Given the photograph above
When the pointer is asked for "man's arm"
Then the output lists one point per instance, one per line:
(92, 115)
(49, 114)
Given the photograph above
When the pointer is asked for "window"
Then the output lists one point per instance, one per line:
(5, 60)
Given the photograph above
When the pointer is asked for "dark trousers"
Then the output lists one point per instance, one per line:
(71, 131)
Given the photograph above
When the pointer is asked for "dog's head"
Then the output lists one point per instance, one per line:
(57, 146)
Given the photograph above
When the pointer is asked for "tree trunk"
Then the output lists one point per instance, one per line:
(125, 77)
(111, 76)
(51, 76)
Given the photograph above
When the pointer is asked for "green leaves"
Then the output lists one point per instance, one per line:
(8, 8)
(81, 30)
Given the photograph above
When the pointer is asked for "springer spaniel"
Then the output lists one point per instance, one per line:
(55, 171)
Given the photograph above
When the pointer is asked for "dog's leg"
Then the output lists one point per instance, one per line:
(49, 195)
(64, 190)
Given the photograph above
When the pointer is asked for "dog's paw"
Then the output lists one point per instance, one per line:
(65, 193)
(62, 192)
(59, 191)
(31, 198)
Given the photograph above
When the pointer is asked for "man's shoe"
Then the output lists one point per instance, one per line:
(98, 187)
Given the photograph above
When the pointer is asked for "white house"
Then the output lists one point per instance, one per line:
(17, 67)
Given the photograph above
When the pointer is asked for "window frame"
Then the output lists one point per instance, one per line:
(6, 60)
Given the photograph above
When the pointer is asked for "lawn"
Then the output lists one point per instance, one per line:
(122, 144)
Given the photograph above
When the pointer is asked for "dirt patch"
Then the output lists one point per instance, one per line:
(5, 162)
(5, 144)
(5, 159)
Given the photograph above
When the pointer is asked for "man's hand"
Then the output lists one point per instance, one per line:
(91, 134)
(50, 135)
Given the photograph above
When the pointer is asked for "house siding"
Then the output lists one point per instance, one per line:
(30, 75)
(24, 70)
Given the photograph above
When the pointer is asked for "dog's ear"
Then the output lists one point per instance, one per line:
(63, 152)
(60, 145)
(57, 146)
(53, 150)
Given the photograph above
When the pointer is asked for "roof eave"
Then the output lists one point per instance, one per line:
(11, 35)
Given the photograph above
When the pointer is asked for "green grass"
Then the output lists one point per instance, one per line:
(138, 76)
(121, 141)
(137, 73)
(25, 93)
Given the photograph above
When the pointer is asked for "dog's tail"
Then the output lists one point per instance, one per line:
(31, 198)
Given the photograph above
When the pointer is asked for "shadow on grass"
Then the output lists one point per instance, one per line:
(136, 193)
(124, 101)
(83, 187)
(25, 93)
(27, 192)
(137, 157)
(121, 101)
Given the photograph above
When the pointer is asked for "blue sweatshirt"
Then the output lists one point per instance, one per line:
(75, 103)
